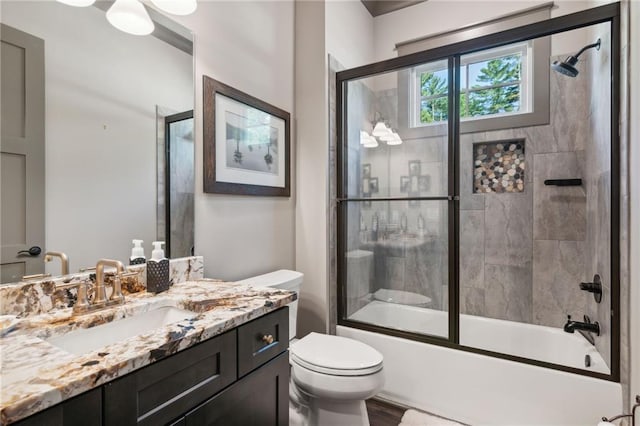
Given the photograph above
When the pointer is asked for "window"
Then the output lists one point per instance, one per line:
(492, 83)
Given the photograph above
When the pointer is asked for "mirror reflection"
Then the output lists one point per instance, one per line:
(97, 138)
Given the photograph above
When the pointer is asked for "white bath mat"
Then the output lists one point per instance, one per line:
(418, 418)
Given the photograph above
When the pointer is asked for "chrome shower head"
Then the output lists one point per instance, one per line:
(568, 66)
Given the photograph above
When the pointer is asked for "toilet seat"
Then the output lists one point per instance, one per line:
(335, 355)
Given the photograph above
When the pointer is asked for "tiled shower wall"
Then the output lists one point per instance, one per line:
(524, 255)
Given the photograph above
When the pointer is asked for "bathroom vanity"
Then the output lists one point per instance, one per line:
(227, 364)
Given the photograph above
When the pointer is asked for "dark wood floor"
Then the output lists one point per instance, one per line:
(383, 413)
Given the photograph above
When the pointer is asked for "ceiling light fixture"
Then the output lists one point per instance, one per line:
(176, 7)
(131, 17)
(382, 132)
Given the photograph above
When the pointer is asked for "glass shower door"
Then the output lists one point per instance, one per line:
(394, 206)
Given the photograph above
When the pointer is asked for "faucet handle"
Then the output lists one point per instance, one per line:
(568, 317)
(116, 294)
(82, 301)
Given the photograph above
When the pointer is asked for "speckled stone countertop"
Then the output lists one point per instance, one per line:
(35, 375)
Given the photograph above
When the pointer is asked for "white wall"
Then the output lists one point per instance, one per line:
(349, 32)
(343, 29)
(312, 163)
(249, 46)
(634, 171)
(101, 90)
(435, 16)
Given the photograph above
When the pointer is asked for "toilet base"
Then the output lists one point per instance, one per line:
(330, 413)
(308, 411)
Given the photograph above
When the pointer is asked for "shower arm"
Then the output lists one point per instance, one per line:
(596, 44)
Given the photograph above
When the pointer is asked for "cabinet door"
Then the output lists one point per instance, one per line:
(167, 389)
(260, 399)
(82, 410)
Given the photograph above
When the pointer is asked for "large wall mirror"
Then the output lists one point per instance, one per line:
(97, 137)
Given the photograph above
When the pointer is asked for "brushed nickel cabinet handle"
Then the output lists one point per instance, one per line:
(268, 339)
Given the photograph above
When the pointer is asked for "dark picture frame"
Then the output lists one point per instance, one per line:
(246, 143)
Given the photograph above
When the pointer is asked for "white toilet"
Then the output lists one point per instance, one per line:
(331, 376)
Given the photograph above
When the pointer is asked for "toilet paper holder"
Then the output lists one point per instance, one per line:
(606, 421)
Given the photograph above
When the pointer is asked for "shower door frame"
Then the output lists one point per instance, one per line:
(608, 13)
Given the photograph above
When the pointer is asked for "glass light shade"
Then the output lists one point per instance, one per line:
(371, 144)
(77, 3)
(364, 137)
(394, 140)
(131, 17)
(380, 129)
(388, 136)
(176, 7)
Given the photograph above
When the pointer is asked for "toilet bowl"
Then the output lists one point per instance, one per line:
(331, 376)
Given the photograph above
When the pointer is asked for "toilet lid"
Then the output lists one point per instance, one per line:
(335, 355)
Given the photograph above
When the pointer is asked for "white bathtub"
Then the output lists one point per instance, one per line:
(483, 390)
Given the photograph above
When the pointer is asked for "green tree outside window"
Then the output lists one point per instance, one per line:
(495, 90)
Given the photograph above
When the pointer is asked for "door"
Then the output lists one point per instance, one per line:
(22, 155)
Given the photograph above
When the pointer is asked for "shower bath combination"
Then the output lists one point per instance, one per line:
(568, 66)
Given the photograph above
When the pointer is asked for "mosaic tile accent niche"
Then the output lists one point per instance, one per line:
(498, 166)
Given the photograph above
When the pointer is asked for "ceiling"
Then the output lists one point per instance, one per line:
(380, 7)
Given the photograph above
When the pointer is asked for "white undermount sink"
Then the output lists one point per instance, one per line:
(86, 340)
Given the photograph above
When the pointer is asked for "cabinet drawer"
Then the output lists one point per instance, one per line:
(262, 339)
(163, 391)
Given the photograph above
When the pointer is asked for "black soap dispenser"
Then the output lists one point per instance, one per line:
(137, 253)
(157, 270)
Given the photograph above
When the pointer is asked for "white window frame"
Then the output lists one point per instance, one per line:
(524, 49)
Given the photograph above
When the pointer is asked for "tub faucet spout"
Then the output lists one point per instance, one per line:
(587, 325)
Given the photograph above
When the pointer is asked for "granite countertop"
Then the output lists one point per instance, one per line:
(35, 375)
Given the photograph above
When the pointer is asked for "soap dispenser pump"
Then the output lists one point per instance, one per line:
(137, 253)
(158, 270)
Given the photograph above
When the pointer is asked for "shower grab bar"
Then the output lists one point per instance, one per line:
(563, 182)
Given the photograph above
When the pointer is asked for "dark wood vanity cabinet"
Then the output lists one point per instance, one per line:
(82, 410)
(240, 377)
(260, 398)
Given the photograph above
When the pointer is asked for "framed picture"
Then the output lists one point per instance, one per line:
(414, 168)
(404, 183)
(366, 170)
(246, 143)
(373, 185)
(366, 187)
(424, 183)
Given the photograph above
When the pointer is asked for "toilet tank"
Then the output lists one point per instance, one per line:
(283, 279)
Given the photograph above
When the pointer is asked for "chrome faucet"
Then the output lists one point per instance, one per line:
(64, 260)
(587, 325)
